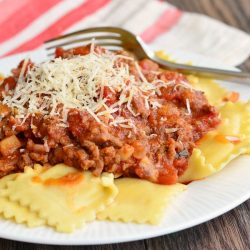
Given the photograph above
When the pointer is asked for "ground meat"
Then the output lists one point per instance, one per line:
(148, 65)
(8, 165)
(170, 76)
(38, 157)
(109, 155)
(94, 153)
(60, 52)
(24, 160)
(16, 72)
(156, 148)
(149, 69)
(139, 107)
(8, 84)
(37, 148)
(54, 133)
(92, 148)
(6, 168)
(84, 127)
(77, 157)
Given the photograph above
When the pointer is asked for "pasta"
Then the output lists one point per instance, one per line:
(89, 115)
(13, 210)
(235, 125)
(49, 208)
(102, 121)
(229, 140)
(140, 201)
(67, 198)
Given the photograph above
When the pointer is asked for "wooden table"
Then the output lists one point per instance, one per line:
(229, 231)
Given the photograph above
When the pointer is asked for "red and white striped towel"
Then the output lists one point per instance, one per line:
(25, 24)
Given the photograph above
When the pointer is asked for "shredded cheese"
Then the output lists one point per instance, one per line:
(46, 146)
(189, 112)
(79, 82)
(25, 63)
(171, 130)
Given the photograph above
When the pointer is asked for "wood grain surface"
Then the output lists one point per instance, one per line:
(229, 231)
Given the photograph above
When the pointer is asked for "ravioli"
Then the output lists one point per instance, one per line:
(163, 55)
(13, 210)
(66, 198)
(62, 196)
(220, 146)
(140, 201)
(66, 202)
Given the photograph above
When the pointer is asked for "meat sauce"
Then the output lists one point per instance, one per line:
(157, 149)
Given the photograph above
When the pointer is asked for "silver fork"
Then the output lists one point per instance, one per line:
(115, 38)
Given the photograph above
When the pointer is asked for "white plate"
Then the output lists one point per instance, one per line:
(203, 200)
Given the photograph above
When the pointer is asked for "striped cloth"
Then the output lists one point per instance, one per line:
(25, 24)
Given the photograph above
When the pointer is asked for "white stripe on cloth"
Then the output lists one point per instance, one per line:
(114, 14)
(146, 17)
(211, 38)
(39, 25)
(106, 16)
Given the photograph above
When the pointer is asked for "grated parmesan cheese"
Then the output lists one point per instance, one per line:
(189, 112)
(79, 82)
(171, 130)
(46, 146)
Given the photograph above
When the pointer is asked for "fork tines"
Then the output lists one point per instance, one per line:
(109, 37)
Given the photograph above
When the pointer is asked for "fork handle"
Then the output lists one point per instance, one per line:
(220, 74)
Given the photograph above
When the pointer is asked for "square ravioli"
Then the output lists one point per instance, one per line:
(62, 196)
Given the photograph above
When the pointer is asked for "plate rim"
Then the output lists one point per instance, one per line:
(133, 238)
(141, 236)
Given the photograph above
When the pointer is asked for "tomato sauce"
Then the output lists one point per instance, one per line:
(156, 147)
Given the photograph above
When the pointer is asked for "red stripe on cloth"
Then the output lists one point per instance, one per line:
(164, 23)
(82, 11)
(21, 18)
(9, 7)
